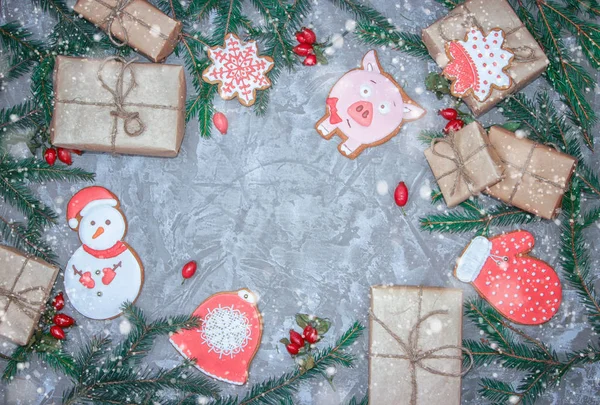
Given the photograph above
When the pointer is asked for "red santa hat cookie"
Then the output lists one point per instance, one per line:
(524, 289)
(86, 199)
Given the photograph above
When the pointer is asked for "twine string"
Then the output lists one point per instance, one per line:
(19, 298)
(116, 13)
(459, 161)
(523, 170)
(417, 357)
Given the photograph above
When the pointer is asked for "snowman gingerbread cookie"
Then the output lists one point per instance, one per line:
(104, 272)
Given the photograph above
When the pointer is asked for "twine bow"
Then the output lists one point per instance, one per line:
(523, 54)
(459, 161)
(416, 357)
(116, 13)
(129, 118)
(19, 298)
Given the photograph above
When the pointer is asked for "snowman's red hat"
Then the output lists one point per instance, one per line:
(86, 199)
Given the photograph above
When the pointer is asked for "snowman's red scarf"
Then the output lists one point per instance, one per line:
(109, 253)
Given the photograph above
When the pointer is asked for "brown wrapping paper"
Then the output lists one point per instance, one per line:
(100, 106)
(25, 284)
(536, 176)
(415, 353)
(529, 61)
(136, 23)
(464, 164)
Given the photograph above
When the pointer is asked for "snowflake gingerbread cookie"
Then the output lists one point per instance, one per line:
(104, 272)
(238, 70)
(524, 289)
(225, 344)
(478, 64)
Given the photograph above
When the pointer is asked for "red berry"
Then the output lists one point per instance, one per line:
(310, 60)
(296, 338)
(309, 36)
(189, 269)
(77, 152)
(453, 126)
(300, 37)
(449, 113)
(401, 194)
(64, 155)
(57, 332)
(62, 320)
(303, 49)
(50, 156)
(310, 334)
(292, 349)
(58, 302)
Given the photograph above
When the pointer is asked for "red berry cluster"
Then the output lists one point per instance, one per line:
(298, 341)
(306, 46)
(454, 122)
(64, 155)
(301, 344)
(60, 321)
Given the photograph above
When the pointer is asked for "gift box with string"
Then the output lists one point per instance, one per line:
(415, 353)
(135, 23)
(486, 51)
(25, 284)
(110, 105)
(464, 163)
(536, 176)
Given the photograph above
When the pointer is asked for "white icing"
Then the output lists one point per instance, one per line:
(124, 287)
(226, 331)
(472, 261)
(103, 216)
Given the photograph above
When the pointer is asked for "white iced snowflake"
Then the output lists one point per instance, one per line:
(238, 70)
(226, 331)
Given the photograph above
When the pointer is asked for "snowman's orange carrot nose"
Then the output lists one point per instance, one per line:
(99, 232)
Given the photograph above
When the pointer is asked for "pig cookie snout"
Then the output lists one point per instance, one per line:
(361, 112)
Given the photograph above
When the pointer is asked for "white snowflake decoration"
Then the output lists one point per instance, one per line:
(238, 70)
(478, 64)
(226, 331)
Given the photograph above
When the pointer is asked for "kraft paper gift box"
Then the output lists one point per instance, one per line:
(528, 62)
(415, 355)
(115, 106)
(464, 163)
(136, 23)
(536, 176)
(25, 284)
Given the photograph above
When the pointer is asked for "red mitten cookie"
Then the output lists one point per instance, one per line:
(522, 288)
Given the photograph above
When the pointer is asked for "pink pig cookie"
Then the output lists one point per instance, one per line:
(366, 108)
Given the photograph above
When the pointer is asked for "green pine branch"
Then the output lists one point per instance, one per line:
(38, 171)
(20, 116)
(108, 375)
(281, 390)
(26, 239)
(514, 349)
(199, 10)
(591, 8)
(374, 29)
(564, 74)
(449, 4)
(22, 51)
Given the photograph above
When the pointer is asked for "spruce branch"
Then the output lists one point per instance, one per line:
(108, 375)
(20, 116)
(26, 239)
(23, 52)
(275, 391)
(34, 170)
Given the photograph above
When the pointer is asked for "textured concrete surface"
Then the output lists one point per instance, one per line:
(273, 207)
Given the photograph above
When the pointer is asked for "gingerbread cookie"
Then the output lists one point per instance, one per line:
(104, 272)
(226, 342)
(238, 70)
(523, 288)
(366, 108)
(478, 64)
